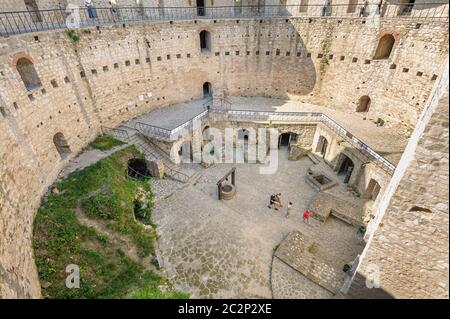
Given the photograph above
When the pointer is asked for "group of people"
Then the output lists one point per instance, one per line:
(362, 8)
(89, 4)
(275, 203)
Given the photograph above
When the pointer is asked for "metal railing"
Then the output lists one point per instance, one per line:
(153, 131)
(166, 134)
(18, 22)
(177, 132)
(117, 133)
(247, 115)
(155, 153)
(168, 167)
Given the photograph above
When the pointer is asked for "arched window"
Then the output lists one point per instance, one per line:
(207, 89)
(384, 47)
(205, 41)
(363, 104)
(28, 74)
(61, 145)
(373, 190)
(352, 4)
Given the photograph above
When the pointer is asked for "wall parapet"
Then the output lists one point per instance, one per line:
(18, 22)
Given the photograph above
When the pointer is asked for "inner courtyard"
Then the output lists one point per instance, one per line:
(224, 149)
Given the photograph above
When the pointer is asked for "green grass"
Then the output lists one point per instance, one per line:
(105, 143)
(150, 290)
(104, 193)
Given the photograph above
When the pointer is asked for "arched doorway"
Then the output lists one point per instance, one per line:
(28, 74)
(363, 104)
(384, 48)
(61, 145)
(200, 8)
(346, 168)
(322, 146)
(286, 139)
(207, 90)
(372, 190)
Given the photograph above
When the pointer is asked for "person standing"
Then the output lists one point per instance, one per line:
(113, 9)
(325, 8)
(288, 209)
(363, 8)
(113, 6)
(306, 217)
(90, 8)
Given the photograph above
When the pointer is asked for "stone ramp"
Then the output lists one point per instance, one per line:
(326, 203)
(304, 256)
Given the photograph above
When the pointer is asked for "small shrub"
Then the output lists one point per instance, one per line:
(75, 37)
(379, 122)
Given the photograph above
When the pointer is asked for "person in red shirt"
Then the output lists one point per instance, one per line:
(307, 216)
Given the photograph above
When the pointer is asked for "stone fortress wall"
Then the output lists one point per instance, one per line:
(115, 73)
(407, 251)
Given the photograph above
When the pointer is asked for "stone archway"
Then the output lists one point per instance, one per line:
(61, 145)
(207, 90)
(286, 139)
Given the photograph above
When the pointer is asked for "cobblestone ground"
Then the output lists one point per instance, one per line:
(288, 283)
(223, 249)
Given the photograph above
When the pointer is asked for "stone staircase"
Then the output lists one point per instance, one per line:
(155, 151)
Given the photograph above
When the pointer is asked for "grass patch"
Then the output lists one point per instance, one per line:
(150, 290)
(105, 143)
(105, 193)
